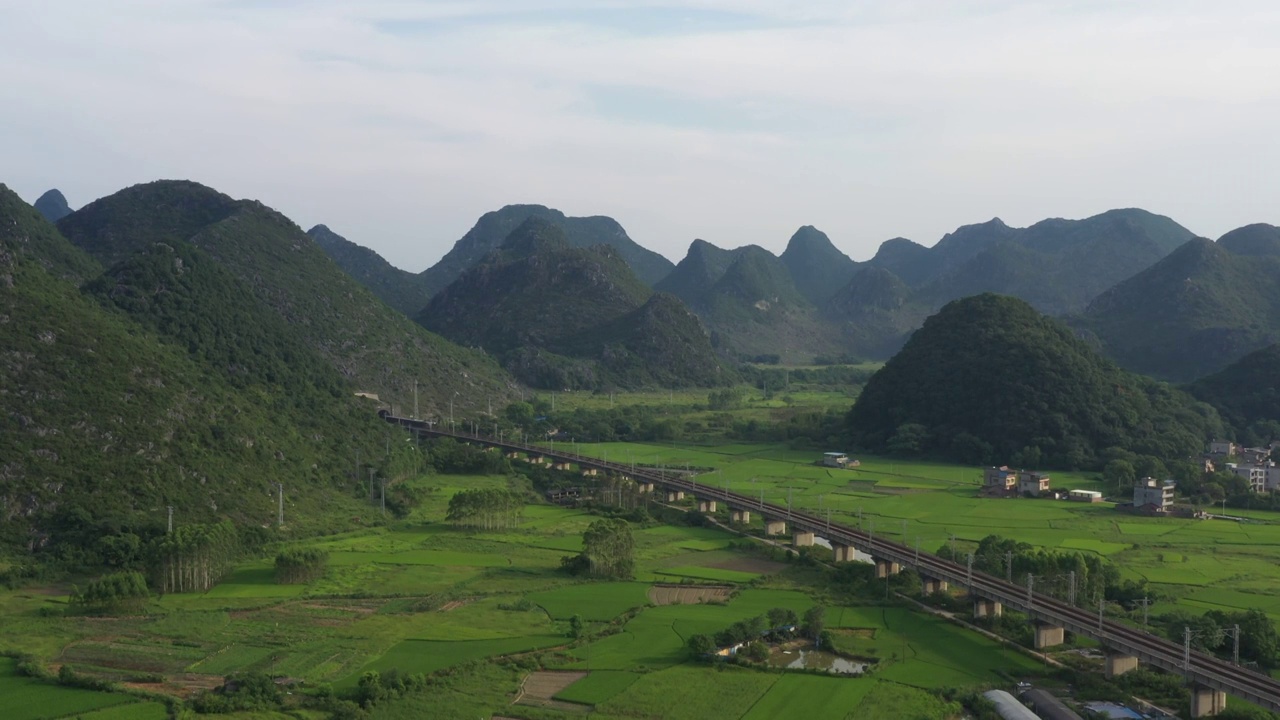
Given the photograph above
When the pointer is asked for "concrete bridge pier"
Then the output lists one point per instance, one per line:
(799, 538)
(930, 585)
(843, 553)
(642, 487)
(1206, 702)
(561, 466)
(675, 495)
(512, 454)
(1048, 635)
(983, 608)
(1118, 663)
(885, 568)
(775, 527)
(740, 516)
(707, 506)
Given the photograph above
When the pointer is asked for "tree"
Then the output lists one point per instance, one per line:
(781, 617)
(576, 626)
(815, 621)
(300, 565)
(700, 645)
(609, 548)
(1119, 474)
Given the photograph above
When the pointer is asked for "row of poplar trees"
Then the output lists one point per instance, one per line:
(193, 558)
(486, 509)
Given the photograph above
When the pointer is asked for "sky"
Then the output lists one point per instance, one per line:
(398, 123)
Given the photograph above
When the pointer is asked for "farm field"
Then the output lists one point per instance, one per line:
(420, 596)
(929, 503)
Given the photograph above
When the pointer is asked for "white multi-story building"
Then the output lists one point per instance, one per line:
(1156, 493)
(1262, 478)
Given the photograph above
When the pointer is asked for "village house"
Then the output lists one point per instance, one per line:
(1153, 496)
(1002, 481)
(1033, 483)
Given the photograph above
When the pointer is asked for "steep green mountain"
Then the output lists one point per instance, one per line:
(875, 312)
(747, 299)
(401, 289)
(755, 309)
(375, 348)
(988, 379)
(53, 205)
(1194, 312)
(493, 228)
(817, 268)
(107, 420)
(564, 316)
(695, 275)
(1247, 394)
(908, 260)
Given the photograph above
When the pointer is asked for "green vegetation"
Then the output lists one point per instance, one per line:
(1193, 313)
(486, 508)
(28, 698)
(990, 380)
(608, 551)
(120, 592)
(1247, 394)
(376, 348)
(401, 289)
(300, 565)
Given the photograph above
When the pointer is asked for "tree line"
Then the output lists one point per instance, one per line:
(486, 508)
(194, 557)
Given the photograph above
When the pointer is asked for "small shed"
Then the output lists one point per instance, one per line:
(1089, 496)
(835, 459)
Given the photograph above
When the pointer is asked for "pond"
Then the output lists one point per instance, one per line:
(808, 658)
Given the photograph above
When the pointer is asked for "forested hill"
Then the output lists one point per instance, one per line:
(563, 316)
(1247, 394)
(373, 347)
(990, 380)
(401, 289)
(1196, 311)
(108, 420)
(493, 228)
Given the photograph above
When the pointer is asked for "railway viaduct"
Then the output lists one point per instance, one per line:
(1209, 677)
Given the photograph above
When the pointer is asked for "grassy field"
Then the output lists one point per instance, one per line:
(24, 698)
(929, 503)
(421, 596)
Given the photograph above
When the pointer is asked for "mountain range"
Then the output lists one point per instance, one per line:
(1101, 273)
(561, 316)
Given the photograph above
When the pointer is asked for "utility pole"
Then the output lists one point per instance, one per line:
(1146, 608)
(170, 508)
(1235, 648)
(382, 483)
(1071, 591)
(280, 513)
(953, 547)
(370, 484)
(1102, 607)
(1008, 567)
(968, 576)
(415, 398)
(1186, 650)
(1031, 584)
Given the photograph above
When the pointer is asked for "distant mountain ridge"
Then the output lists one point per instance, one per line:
(53, 205)
(493, 228)
(564, 316)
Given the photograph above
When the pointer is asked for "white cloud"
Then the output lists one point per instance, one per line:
(397, 123)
